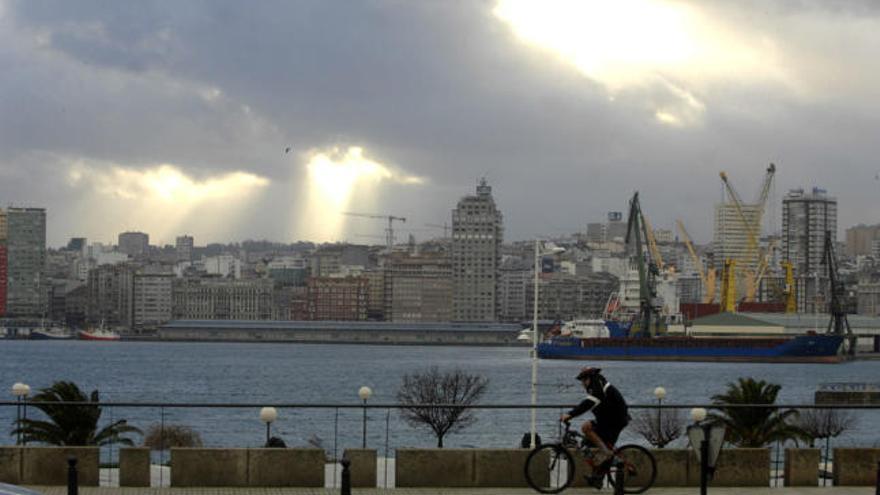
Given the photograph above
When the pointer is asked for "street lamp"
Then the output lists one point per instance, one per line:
(660, 394)
(538, 253)
(268, 415)
(706, 438)
(20, 391)
(364, 393)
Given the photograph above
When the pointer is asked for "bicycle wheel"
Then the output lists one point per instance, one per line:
(640, 468)
(549, 468)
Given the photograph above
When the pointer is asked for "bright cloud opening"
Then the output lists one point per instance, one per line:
(640, 46)
(334, 178)
(162, 198)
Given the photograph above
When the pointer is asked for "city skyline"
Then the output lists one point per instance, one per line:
(226, 121)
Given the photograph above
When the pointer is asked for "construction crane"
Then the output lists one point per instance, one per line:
(708, 280)
(389, 231)
(752, 259)
(789, 292)
(728, 286)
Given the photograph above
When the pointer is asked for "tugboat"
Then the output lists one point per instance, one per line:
(100, 333)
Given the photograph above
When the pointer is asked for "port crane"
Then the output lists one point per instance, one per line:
(636, 234)
(750, 264)
(707, 277)
(389, 231)
(838, 324)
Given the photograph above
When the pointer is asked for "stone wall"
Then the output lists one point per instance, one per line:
(856, 467)
(247, 467)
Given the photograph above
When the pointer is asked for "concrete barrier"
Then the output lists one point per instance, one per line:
(10, 465)
(855, 467)
(209, 467)
(285, 467)
(363, 467)
(48, 465)
(434, 468)
(500, 468)
(134, 466)
(736, 467)
(672, 467)
(802, 467)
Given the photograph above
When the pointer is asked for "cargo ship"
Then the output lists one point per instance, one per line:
(809, 348)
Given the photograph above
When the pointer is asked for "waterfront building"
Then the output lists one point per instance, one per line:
(151, 294)
(806, 216)
(215, 298)
(337, 298)
(477, 234)
(860, 240)
(26, 284)
(376, 300)
(183, 248)
(514, 275)
(418, 288)
(134, 243)
(566, 297)
(110, 295)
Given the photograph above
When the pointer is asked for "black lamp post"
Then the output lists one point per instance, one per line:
(20, 391)
(365, 393)
(660, 394)
(707, 439)
(268, 415)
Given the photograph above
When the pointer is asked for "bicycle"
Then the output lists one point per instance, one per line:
(551, 468)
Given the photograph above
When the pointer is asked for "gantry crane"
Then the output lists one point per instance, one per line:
(389, 231)
(707, 279)
(652, 243)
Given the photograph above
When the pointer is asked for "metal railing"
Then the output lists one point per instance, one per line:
(344, 425)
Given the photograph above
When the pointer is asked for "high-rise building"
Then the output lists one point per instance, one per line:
(860, 239)
(805, 219)
(134, 243)
(515, 274)
(477, 233)
(731, 237)
(77, 244)
(151, 296)
(26, 285)
(184, 248)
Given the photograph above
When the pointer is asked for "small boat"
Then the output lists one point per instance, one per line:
(53, 333)
(98, 334)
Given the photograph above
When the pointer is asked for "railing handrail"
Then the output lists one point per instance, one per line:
(249, 405)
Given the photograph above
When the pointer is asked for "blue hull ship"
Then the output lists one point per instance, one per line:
(811, 348)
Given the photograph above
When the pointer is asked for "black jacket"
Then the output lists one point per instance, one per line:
(606, 403)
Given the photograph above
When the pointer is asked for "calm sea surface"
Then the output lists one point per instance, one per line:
(332, 374)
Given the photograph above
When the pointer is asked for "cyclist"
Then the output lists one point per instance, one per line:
(611, 416)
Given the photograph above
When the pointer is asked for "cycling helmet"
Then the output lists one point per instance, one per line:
(589, 371)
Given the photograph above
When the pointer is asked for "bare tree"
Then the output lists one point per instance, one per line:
(659, 427)
(162, 438)
(435, 389)
(819, 424)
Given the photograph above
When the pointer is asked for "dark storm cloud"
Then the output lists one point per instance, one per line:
(442, 90)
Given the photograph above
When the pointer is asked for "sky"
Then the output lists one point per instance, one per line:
(231, 120)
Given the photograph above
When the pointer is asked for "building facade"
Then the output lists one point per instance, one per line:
(212, 298)
(477, 233)
(860, 240)
(183, 247)
(419, 288)
(151, 294)
(134, 243)
(26, 284)
(805, 219)
(514, 277)
(337, 298)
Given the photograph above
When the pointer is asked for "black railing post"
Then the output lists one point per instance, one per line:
(345, 484)
(878, 478)
(72, 483)
(704, 465)
(619, 477)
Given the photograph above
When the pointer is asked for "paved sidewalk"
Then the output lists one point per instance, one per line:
(60, 490)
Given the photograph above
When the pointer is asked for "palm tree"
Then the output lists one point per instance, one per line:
(71, 424)
(754, 426)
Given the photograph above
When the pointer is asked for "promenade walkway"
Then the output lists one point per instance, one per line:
(60, 490)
